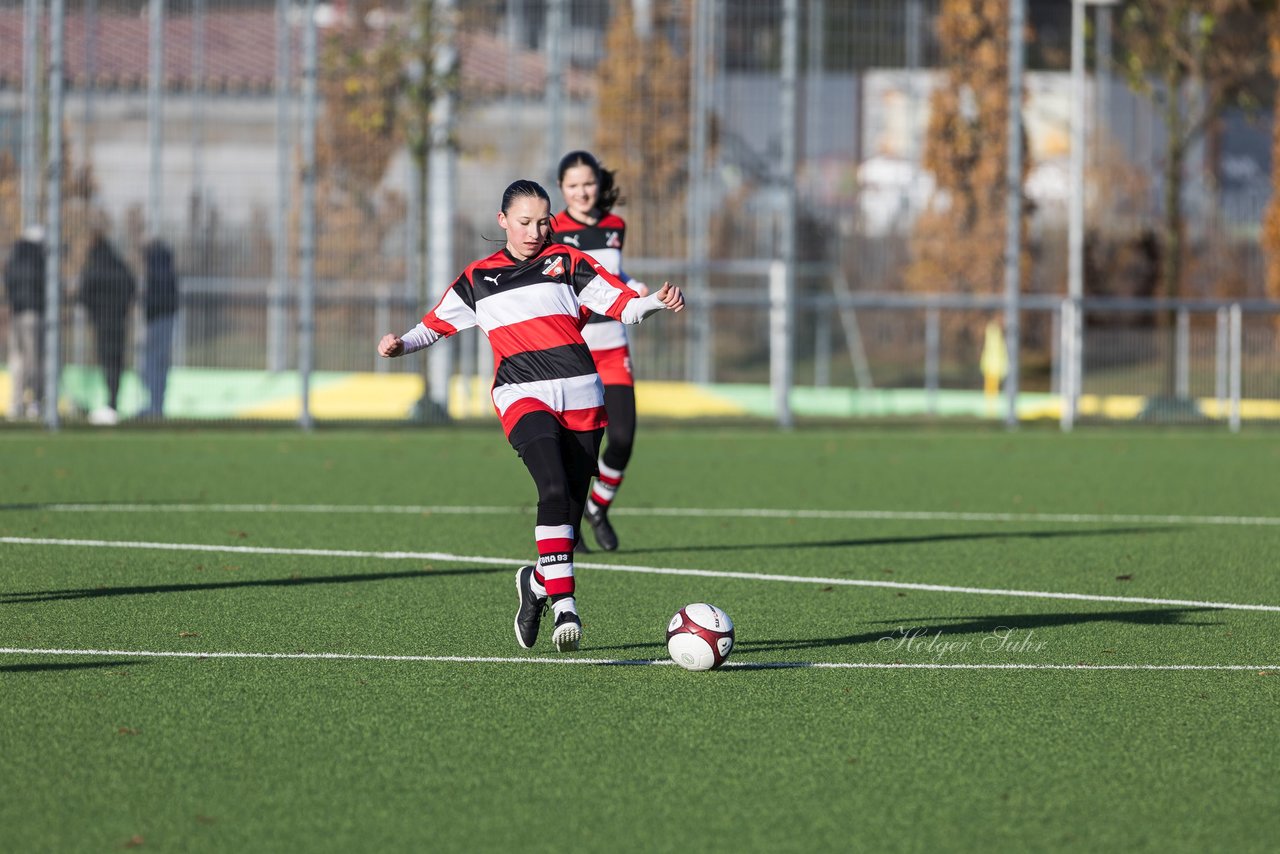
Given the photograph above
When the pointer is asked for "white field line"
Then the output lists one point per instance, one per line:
(641, 662)
(727, 513)
(647, 570)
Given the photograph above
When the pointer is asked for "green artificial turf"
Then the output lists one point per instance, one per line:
(123, 749)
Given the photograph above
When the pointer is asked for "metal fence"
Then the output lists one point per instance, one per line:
(770, 155)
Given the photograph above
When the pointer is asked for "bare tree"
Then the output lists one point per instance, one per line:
(1196, 58)
(647, 144)
(378, 84)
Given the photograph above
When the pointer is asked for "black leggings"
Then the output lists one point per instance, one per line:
(562, 463)
(110, 336)
(620, 402)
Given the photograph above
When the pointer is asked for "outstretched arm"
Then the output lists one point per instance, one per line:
(666, 298)
(415, 339)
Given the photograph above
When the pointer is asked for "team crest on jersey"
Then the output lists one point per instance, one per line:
(554, 267)
(612, 240)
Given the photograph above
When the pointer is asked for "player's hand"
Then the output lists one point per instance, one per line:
(669, 295)
(390, 346)
(639, 287)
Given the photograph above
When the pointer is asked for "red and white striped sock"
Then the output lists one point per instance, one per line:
(605, 487)
(554, 572)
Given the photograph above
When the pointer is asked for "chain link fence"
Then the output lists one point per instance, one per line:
(321, 171)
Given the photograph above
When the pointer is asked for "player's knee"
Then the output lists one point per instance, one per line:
(553, 496)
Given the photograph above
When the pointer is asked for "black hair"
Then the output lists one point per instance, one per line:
(608, 193)
(520, 189)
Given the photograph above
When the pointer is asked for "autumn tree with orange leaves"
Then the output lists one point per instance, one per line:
(643, 131)
(1271, 219)
(959, 241)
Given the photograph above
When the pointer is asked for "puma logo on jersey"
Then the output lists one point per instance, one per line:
(493, 279)
(572, 240)
(612, 240)
(554, 267)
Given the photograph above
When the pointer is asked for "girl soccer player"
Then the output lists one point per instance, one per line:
(588, 223)
(529, 299)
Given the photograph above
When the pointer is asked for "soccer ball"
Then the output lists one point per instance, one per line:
(700, 637)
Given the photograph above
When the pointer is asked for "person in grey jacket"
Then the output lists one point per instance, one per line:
(24, 285)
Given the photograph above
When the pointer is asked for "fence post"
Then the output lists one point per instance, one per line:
(1220, 361)
(381, 321)
(780, 361)
(1183, 346)
(1236, 360)
(821, 348)
(1055, 352)
(932, 342)
(1069, 364)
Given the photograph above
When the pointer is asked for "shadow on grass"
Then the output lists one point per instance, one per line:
(47, 505)
(61, 665)
(901, 541)
(142, 590)
(922, 629)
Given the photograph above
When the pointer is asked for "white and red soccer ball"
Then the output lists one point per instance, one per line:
(700, 637)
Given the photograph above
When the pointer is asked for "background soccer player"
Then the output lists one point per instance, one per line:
(588, 223)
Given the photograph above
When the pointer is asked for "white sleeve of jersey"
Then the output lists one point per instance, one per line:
(640, 308)
(419, 338)
(452, 310)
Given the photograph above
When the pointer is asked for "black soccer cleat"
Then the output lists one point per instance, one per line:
(529, 614)
(567, 634)
(598, 519)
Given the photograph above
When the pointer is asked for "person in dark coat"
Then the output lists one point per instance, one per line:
(160, 303)
(24, 288)
(107, 288)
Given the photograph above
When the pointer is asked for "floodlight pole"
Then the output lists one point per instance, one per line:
(307, 236)
(441, 192)
(1013, 210)
(155, 118)
(53, 216)
(277, 331)
(28, 174)
(1073, 332)
(782, 280)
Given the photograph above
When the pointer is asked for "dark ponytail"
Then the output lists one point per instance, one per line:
(608, 193)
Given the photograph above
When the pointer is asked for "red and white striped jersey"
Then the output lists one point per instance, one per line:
(532, 312)
(603, 242)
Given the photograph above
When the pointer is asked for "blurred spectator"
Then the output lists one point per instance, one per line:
(24, 287)
(107, 288)
(161, 305)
